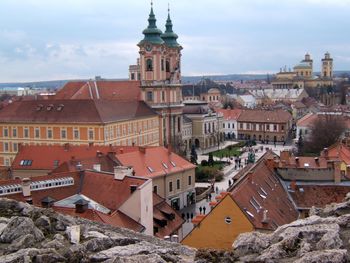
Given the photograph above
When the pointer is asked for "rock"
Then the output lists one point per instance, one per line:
(43, 223)
(19, 226)
(32, 254)
(325, 256)
(25, 241)
(99, 244)
(94, 234)
(140, 259)
(251, 243)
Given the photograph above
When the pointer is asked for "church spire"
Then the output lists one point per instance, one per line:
(169, 37)
(152, 33)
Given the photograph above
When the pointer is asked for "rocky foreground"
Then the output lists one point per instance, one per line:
(30, 234)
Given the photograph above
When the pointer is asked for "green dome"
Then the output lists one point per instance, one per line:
(152, 33)
(169, 37)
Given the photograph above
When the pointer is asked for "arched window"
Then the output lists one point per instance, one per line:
(167, 66)
(149, 65)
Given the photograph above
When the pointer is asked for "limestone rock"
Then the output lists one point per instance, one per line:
(19, 226)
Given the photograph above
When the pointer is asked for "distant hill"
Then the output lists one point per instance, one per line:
(55, 84)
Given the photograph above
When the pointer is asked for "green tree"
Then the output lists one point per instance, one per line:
(194, 156)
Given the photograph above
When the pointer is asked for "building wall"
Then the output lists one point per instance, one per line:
(142, 131)
(263, 131)
(186, 186)
(214, 232)
(307, 174)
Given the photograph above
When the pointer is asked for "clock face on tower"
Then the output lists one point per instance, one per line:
(148, 47)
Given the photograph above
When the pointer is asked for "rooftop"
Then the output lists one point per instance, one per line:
(265, 116)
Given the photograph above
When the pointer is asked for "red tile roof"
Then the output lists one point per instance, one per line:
(106, 90)
(117, 219)
(160, 211)
(265, 116)
(43, 156)
(309, 119)
(340, 151)
(154, 161)
(230, 114)
(74, 111)
(306, 196)
(260, 190)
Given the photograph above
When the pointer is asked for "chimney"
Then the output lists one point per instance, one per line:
(121, 171)
(26, 187)
(337, 173)
(265, 219)
(317, 161)
(81, 205)
(47, 202)
(285, 155)
(133, 188)
(325, 153)
(99, 154)
(293, 185)
(142, 149)
(297, 161)
(97, 167)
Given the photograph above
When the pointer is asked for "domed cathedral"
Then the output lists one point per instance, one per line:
(303, 76)
(159, 67)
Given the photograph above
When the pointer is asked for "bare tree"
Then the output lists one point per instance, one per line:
(325, 131)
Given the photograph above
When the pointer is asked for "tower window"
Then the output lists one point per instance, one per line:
(149, 65)
(162, 64)
(167, 66)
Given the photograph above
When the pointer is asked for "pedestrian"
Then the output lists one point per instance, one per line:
(209, 196)
(200, 210)
(191, 216)
(183, 215)
(229, 182)
(204, 208)
(188, 216)
(217, 190)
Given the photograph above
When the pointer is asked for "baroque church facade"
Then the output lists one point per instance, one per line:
(158, 70)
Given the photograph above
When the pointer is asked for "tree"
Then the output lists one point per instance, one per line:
(326, 130)
(210, 159)
(193, 155)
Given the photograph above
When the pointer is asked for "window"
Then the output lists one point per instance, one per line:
(7, 162)
(275, 127)
(228, 220)
(170, 186)
(223, 125)
(76, 134)
(6, 146)
(248, 126)
(14, 132)
(162, 64)
(267, 127)
(155, 189)
(282, 127)
(149, 65)
(149, 96)
(37, 133)
(241, 125)
(49, 133)
(26, 133)
(167, 66)
(163, 95)
(63, 133)
(91, 134)
(190, 180)
(132, 76)
(6, 132)
(178, 184)
(15, 147)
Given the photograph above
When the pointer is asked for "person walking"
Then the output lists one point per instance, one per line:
(200, 210)
(204, 208)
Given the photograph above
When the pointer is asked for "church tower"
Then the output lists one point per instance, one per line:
(160, 73)
(327, 66)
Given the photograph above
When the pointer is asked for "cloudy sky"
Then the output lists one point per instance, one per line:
(68, 39)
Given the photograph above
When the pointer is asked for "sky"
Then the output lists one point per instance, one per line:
(72, 39)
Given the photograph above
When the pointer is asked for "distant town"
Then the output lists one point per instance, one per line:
(193, 160)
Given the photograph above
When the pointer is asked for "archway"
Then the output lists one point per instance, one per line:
(196, 143)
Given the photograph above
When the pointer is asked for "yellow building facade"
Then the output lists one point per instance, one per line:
(221, 228)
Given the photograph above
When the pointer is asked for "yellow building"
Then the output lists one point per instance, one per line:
(303, 75)
(78, 122)
(219, 228)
